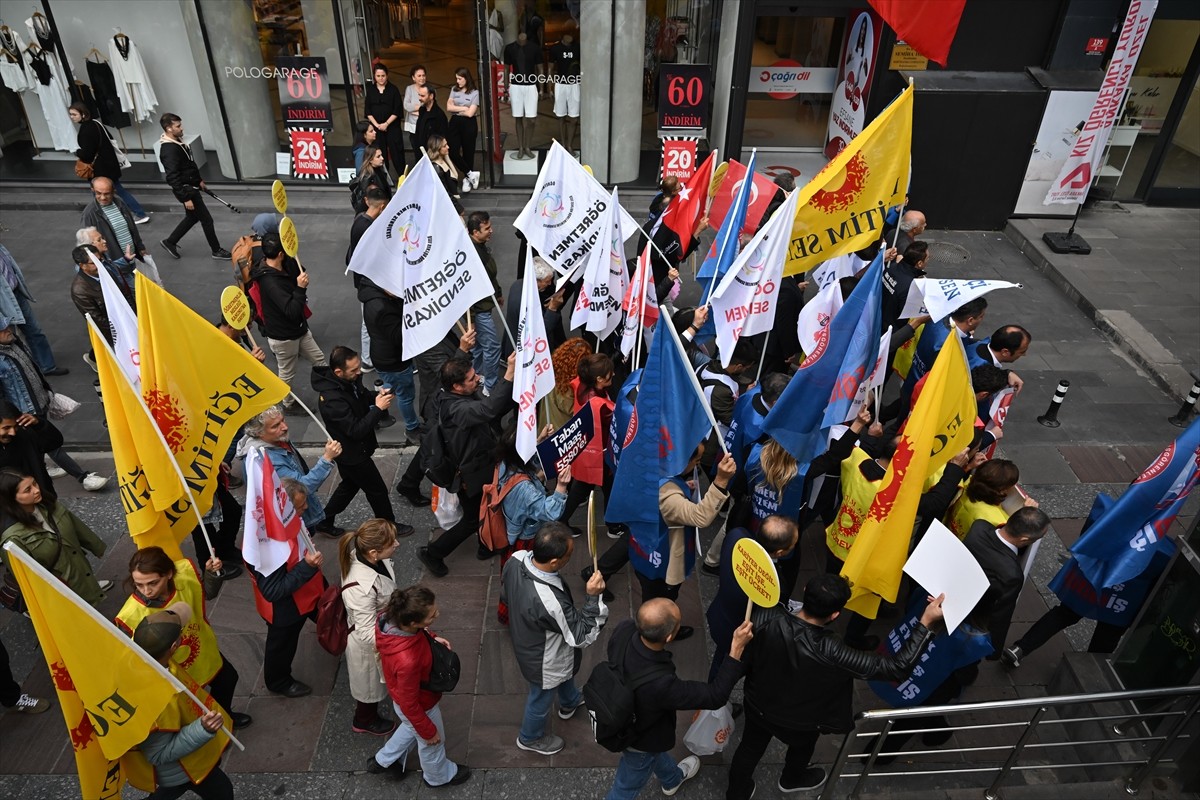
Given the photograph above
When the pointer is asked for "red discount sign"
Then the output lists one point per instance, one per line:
(308, 154)
(679, 158)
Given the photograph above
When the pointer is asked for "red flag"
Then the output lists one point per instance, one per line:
(761, 193)
(927, 25)
(688, 206)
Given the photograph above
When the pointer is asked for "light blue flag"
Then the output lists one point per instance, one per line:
(863, 350)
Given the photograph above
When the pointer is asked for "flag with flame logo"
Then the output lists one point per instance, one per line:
(200, 386)
(842, 208)
(940, 426)
(151, 495)
(110, 691)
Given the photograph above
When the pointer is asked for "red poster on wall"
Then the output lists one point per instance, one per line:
(499, 95)
(848, 107)
(679, 158)
(308, 154)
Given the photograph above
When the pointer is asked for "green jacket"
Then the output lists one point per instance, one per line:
(71, 565)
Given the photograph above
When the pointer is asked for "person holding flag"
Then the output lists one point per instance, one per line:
(678, 217)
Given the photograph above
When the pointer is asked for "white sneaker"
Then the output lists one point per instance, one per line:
(690, 766)
(105, 585)
(28, 704)
(93, 482)
(473, 177)
(466, 185)
(55, 471)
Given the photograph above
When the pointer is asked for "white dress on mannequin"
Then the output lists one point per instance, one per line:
(54, 107)
(59, 72)
(12, 48)
(133, 82)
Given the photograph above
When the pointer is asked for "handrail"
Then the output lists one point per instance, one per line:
(1040, 706)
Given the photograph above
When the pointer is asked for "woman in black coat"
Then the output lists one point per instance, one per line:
(374, 172)
(385, 110)
(96, 148)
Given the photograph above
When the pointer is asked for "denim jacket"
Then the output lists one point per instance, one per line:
(527, 506)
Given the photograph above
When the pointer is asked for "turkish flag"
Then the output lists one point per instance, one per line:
(927, 25)
(761, 193)
(688, 206)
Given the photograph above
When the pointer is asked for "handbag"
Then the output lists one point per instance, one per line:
(445, 670)
(62, 406)
(710, 731)
(122, 159)
(84, 170)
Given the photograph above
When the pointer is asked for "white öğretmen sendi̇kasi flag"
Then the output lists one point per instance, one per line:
(745, 301)
(416, 250)
(533, 378)
(941, 297)
(122, 321)
(605, 278)
(816, 315)
(562, 218)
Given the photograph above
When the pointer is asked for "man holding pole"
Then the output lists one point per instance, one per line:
(487, 348)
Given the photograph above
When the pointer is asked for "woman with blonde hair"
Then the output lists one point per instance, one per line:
(438, 150)
(368, 580)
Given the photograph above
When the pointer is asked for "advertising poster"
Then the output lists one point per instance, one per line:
(848, 107)
(304, 92)
(1061, 121)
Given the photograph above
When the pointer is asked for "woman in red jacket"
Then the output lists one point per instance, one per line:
(588, 470)
(402, 637)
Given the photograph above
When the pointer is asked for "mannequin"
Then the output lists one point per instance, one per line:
(133, 82)
(523, 61)
(564, 61)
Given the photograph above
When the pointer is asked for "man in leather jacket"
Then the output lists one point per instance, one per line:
(800, 682)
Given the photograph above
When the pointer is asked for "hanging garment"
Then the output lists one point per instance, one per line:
(104, 86)
(54, 101)
(14, 70)
(82, 93)
(133, 82)
(41, 33)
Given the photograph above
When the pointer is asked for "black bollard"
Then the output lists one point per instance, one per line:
(1180, 420)
(1050, 418)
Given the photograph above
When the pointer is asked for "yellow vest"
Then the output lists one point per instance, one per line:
(965, 512)
(178, 714)
(198, 654)
(857, 495)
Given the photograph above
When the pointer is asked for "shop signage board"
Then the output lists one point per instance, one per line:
(905, 57)
(785, 79)
(684, 96)
(679, 158)
(304, 92)
(308, 154)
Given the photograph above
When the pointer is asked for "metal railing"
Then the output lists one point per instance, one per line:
(1118, 733)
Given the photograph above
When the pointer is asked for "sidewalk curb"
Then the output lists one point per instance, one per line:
(1167, 372)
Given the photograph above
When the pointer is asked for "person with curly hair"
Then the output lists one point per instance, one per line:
(566, 358)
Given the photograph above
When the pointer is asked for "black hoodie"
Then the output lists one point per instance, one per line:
(384, 317)
(349, 411)
(283, 301)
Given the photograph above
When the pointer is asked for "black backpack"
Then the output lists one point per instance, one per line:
(446, 667)
(611, 702)
(436, 461)
(358, 195)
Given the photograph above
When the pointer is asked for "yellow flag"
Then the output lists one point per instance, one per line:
(200, 386)
(110, 691)
(152, 496)
(842, 208)
(942, 423)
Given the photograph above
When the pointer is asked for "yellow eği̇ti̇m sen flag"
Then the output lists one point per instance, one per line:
(941, 424)
(111, 692)
(842, 208)
(200, 386)
(156, 508)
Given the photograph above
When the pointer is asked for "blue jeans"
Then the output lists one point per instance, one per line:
(405, 387)
(438, 769)
(633, 773)
(537, 707)
(486, 355)
(129, 200)
(39, 345)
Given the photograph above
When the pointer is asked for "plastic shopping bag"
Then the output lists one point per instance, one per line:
(446, 507)
(710, 731)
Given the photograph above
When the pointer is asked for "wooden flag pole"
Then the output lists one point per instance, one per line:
(762, 357)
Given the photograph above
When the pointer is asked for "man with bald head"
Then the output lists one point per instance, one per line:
(641, 648)
(912, 225)
(108, 214)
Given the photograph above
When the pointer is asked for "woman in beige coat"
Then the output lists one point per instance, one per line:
(368, 580)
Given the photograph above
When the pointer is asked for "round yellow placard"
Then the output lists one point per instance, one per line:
(235, 308)
(755, 572)
(288, 237)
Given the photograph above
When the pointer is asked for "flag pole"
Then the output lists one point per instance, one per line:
(54, 583)
(158, 431)
(512, 339)
(640, 339)
(315, 418)
(762, 357)
(737, 234)
(712, 421)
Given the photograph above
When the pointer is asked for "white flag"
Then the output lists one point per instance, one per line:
(605, 279)
(943, 296)
(1083, 161)
(874, 378)
(122, 321)
(833, 270)
(745, 301)
(272, 523)
(562, 220)
(817, 314)
(417, 250)
(534, 375)
(640, 302)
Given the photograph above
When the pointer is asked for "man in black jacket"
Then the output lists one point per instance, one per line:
(800, 651)
(283, 293)
(350, 412)
(657, 701)
(383, 314)
(998, 552)
(467, 423)
(183, 176)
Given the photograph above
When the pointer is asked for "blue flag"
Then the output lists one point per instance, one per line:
(669, 419)
(725, 247)
(797, 420)
(863, 350)
(1122, 543)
